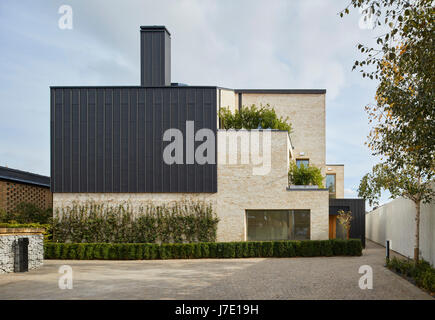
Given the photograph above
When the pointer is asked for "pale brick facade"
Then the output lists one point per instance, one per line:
(238, 190)
(119, 158)
(338, 171)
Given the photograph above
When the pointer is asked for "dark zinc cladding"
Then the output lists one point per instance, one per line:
(358, 208)
(110, 139)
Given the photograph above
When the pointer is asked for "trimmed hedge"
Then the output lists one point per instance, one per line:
(151, 251)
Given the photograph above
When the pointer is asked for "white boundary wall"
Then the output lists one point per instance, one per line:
(395, 221)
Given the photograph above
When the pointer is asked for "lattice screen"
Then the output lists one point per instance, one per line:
(11, 194)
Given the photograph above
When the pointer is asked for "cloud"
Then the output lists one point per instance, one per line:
(350, 193)
(235, 44)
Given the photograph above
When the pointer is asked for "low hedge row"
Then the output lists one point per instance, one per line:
(150, 251)
(422, 272)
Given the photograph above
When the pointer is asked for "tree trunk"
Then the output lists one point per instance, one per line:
(417, 232)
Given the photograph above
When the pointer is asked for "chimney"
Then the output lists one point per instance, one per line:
(155, 56)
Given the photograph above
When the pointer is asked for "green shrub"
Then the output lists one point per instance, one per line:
(306, 249)
(49, 252)
(177, 222)
(80, 251)
(27, 213)
(240, 249)
(57, 250)
(253, 118)
(213, 249)
(197, 250)
(427, 280)
(139, 252)
(89, 253)
(305, 175)
(291, 248)
(354, 247)
(151, 251)
(339, 247)
(267, 249)
(326, 249)
(105, 251)
(229, 250)
(205, 250)
(98, 252)
(422, 272)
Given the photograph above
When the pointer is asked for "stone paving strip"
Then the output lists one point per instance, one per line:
(260, 278)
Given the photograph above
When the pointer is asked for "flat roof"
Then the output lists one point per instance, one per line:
(135, 87)
(24, 177)
(155, 28)
(282, 91)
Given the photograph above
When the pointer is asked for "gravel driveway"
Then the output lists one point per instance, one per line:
(260, 278)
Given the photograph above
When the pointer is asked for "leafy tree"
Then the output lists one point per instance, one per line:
(403, 117)
(408, 182)
(253, 118)
(305, 175)
(345, 218)
(402, 60)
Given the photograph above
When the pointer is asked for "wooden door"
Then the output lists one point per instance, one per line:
(332, 226)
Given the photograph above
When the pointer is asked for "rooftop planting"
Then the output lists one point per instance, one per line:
(252, 117)
(305, 175)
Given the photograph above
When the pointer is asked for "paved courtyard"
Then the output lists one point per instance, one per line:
(261, 278)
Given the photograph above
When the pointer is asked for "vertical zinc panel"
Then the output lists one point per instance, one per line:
(92, 140)
(75, 138)
(174, 107)
(149, 140)
(58, 140)
(141, 140)
(182, 116)
(191, 112)
(132, 141)
(100, 165)
(199, 124)
(124, 139)
(157, 156)
(116, 140)
(66, 160)
(166, 114)
(108, 140)
(83, 110)
(111, 139)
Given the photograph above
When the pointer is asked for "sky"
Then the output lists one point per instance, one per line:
(230, 43)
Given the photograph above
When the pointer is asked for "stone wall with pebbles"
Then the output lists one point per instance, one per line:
(9, 251)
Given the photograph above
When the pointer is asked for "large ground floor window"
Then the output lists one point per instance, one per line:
(266, 225)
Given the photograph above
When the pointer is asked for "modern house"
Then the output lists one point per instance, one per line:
(108, 145)
(18, 186)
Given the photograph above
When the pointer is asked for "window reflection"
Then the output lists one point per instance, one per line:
(302, 162)
(278, 224)
(330, 184)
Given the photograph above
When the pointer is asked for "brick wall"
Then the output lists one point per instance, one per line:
(238, 190)
(12, 193)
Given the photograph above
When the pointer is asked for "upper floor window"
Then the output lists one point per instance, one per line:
(304, 162)
(330, 184)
